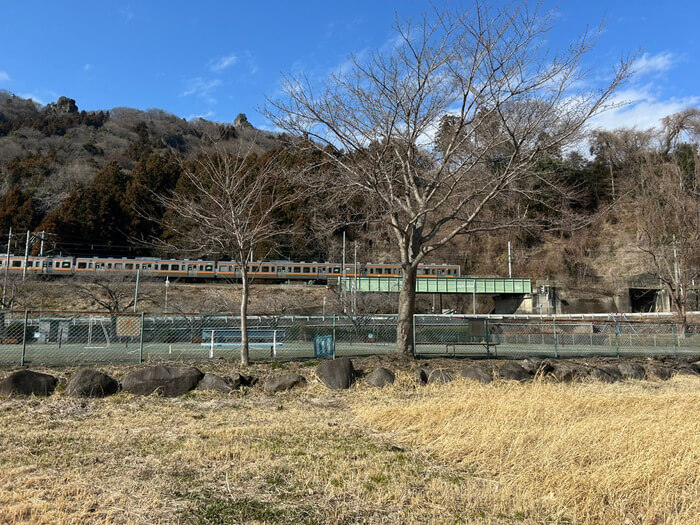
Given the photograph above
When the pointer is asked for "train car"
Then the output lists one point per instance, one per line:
(209, 269)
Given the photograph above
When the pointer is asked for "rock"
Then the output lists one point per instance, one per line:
(241, 121)
(166, 381)
(661, 372)
(380, 378)
(477, 373)
(696, 366)
(284, 382)
(422, 375)
(569, 372)
(606, 374)
(336, 374)
(439, 376)
(512, 371)
(91, 383)
(534, 366)
(27, 383)
(214, 383)
(632, 370)
(238, 380)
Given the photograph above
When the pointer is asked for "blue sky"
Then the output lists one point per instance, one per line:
(218, 59)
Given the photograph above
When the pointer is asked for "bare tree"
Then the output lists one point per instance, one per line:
(113, 293)
(668, 211)
(228, 210)
(441, 133)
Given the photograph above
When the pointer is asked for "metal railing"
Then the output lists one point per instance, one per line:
(73, 338)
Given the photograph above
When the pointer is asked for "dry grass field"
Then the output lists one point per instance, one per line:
(455, 453)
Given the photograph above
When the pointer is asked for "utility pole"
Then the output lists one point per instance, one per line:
(510, 263)
(354, 288)
(7, 267)
(167, 285)
(41, 246)
(26, 257)
(343, 275)
(136, 292)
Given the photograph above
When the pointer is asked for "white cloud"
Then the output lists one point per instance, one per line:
(649, 64)
(222, 63)
(202, 88)
(34, 97)
(205, 116)
(642, 109)
(4, 77)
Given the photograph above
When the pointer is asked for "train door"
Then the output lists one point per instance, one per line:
(192, 270)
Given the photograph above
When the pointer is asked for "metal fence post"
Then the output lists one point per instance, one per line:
(617, 341)
(24, 337)
(486, 336)
(141, 338)
(334, 340)
(673, 339)
(415, 350)
(556, 348)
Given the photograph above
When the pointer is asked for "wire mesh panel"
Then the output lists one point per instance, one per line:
(65, 338)
(71, 338)
(11, 337)
(453, 336)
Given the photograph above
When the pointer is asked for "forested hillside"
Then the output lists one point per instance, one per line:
(91, 181)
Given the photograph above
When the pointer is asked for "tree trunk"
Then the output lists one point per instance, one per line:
(407, 307)
(245, 354)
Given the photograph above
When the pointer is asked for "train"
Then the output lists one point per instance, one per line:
(203, 269)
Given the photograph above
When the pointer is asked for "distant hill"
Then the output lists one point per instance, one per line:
(50, 149)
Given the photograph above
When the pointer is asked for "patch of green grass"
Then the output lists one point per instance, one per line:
(223, 511)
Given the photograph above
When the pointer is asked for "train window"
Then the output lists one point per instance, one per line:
(117, 266)
(128, 266)
(208, 268)
(16, 264)
(109, 266)
(82, 265)
(90, 265)
(174, 267)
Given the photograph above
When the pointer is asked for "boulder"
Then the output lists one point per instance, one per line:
(380, 378)
(439, 376)
(534, 366)
(237, 380)
(166, 381)
(91, 383)
(284, 382)
(565, 372)
(512, 371)
(661, 372)
(336, 374)
(606, 374)
(422, 375)
(27, 383)
(214, 383)
(477, 373)
(632, 370)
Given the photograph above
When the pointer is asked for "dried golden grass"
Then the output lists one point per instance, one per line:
(446, 453)
(628, 452)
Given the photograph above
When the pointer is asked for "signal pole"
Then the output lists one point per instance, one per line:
(26, 257)
(7, 267)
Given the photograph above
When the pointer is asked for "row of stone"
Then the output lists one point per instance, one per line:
(336, 374)
(530, 368)
(168, 381)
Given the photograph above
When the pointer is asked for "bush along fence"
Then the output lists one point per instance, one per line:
(69, 338)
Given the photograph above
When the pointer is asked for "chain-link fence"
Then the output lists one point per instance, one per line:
(81, 338)
(615, 336)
